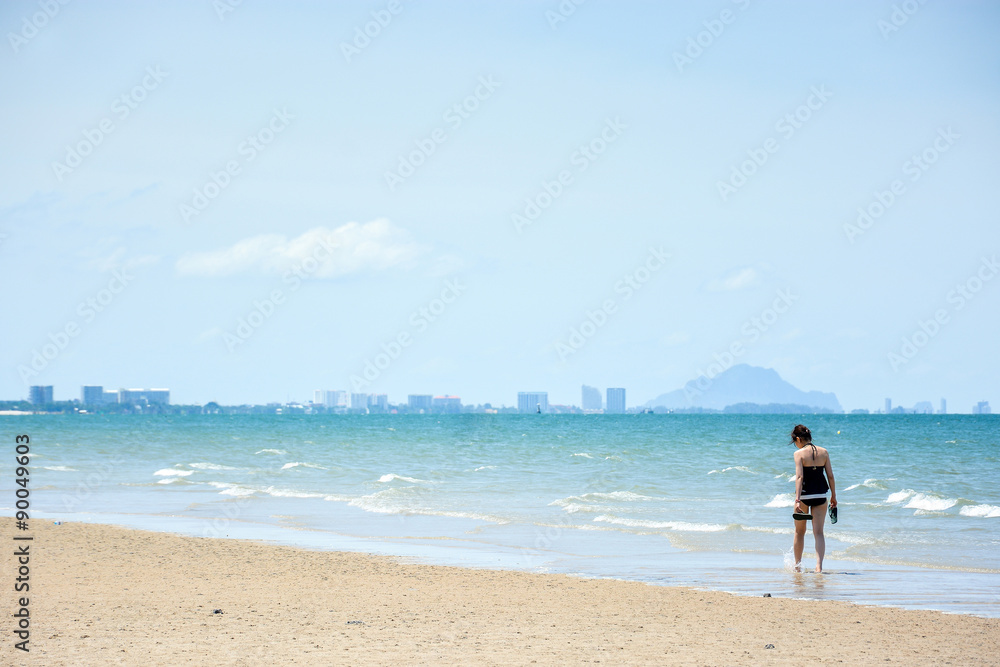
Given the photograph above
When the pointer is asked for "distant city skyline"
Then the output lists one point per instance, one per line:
(526, 402)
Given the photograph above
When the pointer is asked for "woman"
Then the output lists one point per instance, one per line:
(810, 489)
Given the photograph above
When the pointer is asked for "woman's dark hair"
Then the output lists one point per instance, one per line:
(801, 432)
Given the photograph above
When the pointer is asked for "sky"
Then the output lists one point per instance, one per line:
(247, 201)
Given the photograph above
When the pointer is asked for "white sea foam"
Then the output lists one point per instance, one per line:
(869, 484)
(169, 480)
(573, 508)
(271, 451)
(767, 529)
(292, 493)
(466, 515)
(930, 503)
(229, 489)
(398, 501)
(210, 466)
(574, 504)
(391, 476)
(60, 468)
(740, 468)
(785, 475)
(584, 455)
(669, 525)
(296, 464)
(485, 468)
(982, 511)
(900, 496)
(782, 500)
(615, 495)
(382, 502)
(238, 491)
(168, 472)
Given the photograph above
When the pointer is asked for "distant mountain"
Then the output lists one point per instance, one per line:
(743, 384)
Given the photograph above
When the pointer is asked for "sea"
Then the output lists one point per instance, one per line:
(693, 500)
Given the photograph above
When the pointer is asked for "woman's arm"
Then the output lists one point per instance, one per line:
(833, 484)
(798, 482)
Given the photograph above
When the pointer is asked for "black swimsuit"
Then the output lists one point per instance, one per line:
(814, 486)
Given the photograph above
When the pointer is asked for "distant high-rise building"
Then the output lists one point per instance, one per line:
(944, 407)
(923, 408)
(888, 406)
(39, 394)
(420, 402)
(532, 401)
(615, 401)
(380, 402)
(331, 398)
(110, 396)
(591, 399)
(359, 401)
(982, 408)
(447, 404)
(144, 396)
(93, 395)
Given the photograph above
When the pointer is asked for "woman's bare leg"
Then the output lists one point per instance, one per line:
(799, 542)
(819, 519)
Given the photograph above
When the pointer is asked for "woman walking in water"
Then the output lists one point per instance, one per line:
(811, 462)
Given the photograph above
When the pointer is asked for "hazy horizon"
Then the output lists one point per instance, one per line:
(248, 202)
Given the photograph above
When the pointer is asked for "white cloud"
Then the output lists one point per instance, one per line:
(734, 280)
(350, 248)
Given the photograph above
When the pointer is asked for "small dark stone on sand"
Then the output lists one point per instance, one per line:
(767, 595)
(769, 646)
(355, 622)
(216, 611)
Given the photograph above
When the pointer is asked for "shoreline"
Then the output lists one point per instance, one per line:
(746, 574)
(111, 594)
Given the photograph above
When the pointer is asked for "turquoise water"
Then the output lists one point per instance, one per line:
(703, 500)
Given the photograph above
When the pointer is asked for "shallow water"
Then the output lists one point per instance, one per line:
(702, 500)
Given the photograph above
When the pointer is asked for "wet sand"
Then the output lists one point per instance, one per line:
(107, 595)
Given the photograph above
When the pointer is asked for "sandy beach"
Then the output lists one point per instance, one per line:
(107, 595)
